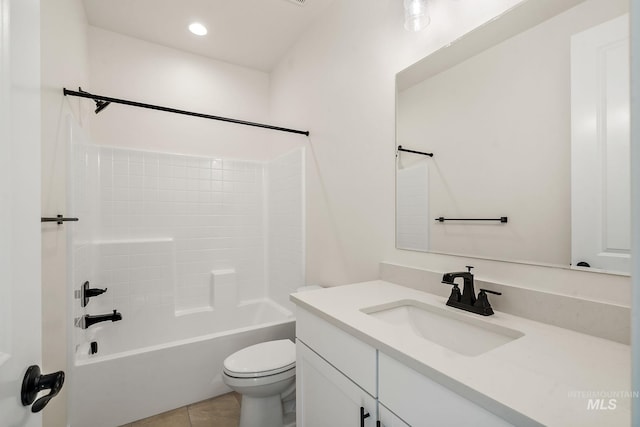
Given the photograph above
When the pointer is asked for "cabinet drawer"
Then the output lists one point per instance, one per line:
(347, 354)
(421, 401)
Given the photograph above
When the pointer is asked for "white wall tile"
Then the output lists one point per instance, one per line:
(285, 182)
(162, 223)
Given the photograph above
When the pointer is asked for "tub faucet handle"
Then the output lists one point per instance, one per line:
(87, 293)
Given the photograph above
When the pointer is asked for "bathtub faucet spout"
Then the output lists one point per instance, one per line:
(88, 320)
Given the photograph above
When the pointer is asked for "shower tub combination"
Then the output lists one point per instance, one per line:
(197, 254)
(114, 389)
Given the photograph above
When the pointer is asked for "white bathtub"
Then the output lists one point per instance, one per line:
(123, 383)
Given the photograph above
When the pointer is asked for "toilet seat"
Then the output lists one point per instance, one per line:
(258, 381)
(259, 374)
(262, 360)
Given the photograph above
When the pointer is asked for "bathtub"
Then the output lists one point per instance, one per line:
(125, 382)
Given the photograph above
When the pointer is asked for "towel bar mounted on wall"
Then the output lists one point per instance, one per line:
(103, 101)
(413, 151)
(59, 219)
(502, 219)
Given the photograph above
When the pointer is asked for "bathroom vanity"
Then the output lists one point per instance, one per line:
(379, 352)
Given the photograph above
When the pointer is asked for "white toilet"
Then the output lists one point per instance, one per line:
(265, 376)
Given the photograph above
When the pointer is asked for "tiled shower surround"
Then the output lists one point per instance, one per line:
(174, 236)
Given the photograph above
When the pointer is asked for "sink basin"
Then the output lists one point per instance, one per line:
(465, 334)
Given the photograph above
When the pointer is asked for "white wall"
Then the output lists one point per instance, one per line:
(63, 63)
(338, 81)
(132, 69)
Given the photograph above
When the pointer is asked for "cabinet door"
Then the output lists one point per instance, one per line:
(325, 397)
(389, 419)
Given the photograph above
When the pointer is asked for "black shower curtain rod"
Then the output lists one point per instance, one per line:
(103, 101)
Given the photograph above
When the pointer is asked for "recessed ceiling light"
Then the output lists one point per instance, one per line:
(198, 29)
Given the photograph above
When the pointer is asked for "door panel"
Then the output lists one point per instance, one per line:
(600, 124)
(19, 205)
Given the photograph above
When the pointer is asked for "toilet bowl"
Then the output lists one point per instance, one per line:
(264, 374)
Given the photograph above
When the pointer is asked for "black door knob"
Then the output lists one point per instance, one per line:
(34, 382)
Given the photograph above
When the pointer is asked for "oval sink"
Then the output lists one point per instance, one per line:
(462, 333)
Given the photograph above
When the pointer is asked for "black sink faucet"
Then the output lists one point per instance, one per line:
(468, 292)
(467, 300)
(88, 320)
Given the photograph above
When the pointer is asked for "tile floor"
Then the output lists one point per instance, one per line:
(221, 411)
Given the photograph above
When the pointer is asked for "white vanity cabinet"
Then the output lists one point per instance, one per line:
(421, 401)
(340, 379)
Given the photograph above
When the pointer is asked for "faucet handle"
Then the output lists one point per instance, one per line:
(469, 267)
(455, 292)
(482, 303)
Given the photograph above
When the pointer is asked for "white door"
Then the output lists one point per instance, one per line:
(600, 158)
(19, 205)
(325, 397)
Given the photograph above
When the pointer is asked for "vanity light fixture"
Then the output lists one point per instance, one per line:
(416, 16)
(198, 29)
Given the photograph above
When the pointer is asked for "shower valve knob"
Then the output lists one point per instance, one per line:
(86, 292)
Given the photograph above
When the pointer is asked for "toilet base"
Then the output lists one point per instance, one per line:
(290, 419)
(261, 411)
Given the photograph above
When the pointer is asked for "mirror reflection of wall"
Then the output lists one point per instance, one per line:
(499, 124)
(412, 206)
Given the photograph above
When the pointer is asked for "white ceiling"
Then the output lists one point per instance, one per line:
(252, 33)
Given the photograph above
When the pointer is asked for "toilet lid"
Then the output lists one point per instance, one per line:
(266, 358)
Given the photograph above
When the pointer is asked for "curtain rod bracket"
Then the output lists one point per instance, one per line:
(100, 105)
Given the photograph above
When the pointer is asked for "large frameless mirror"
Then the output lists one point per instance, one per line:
(527, 118)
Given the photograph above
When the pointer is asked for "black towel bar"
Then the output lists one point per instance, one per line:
(59, 219)
(414, 151)
(502, 219)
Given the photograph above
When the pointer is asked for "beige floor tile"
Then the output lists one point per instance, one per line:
(176, 418)
(221, 411)
(238, 397)
(213, 421)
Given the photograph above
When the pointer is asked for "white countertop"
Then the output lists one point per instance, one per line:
(542, 375)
